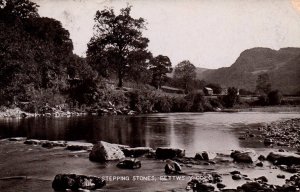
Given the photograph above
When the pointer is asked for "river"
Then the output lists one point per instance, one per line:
(213, 131)
(191, 131)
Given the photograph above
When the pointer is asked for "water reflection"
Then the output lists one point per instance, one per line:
(191, 131)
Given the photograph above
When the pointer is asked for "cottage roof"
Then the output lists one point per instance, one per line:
(171, 88)
(208, 88)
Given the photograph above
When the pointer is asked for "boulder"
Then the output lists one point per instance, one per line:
(268, 141)
(17, 139)
(169, 153)
(235, 172)
(284, 158)
(32, 142)
(130, 164)
(51, 144)
(103, 151)
(236, 177)
(252, 187)
(136, 151)
(204, 155)
(221, 185)
(281, 176)
(199, 186)
(74, 182)
(261, 158)
(79, 146)
(172, 167)
(262, 179)
(244, 157)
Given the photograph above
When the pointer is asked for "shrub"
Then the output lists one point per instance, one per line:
(215, 103)
(231, 98)
(274, 97)
(198, 102)
(262, 100)
(117, 98)
(141, 101)
(163, 104)
(41, 98)
(180, 104)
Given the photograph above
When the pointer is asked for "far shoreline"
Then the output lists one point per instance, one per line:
(17, 113)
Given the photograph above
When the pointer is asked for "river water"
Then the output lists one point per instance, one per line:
(194, 132)
(216, 132)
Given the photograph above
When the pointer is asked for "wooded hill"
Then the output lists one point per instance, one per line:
(282, 66)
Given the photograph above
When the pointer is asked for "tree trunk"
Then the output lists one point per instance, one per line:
(120, 84)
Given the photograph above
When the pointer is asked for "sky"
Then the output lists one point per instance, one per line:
(208, 33)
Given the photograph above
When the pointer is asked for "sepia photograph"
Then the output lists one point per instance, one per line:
(149, 95)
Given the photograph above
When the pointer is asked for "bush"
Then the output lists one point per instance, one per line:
(141, 101)
(262, 100)
(117, 98)
(215, 103)
(180, 104)
(163, 104)
(42, 98)
(231, 98)
(274, 97)
(198, 102)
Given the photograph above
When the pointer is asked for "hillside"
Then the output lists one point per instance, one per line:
(283, 67)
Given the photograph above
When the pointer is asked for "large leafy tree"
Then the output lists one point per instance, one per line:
(117, 43)
(34, 51)
(11, 9)
(160, 66)
(185, 74)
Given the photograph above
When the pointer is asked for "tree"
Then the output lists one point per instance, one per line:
(11, 9)
(274, 97)
(34, 52)
(118, 43)
(231, 98)
(185, 74)
(159, 66)
(263, 84)
(139, 71)
(217, 89)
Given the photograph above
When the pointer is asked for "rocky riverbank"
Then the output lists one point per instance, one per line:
(58, 112)
(110, 109)
(283, 134)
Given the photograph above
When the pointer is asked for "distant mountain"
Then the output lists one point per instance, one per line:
(283, 67)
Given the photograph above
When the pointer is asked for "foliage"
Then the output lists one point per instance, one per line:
(12, 9)
(118, 43)
(231, 98)
(141, 101)
(245, 92)
(215, 102)
(163, 104)
(34, 52)
(198, 102)
(217, 89)
(185, 74)
(263, 85)
(159, 66)
(84, 82)
(42, 98)
(275, 97)
(200, 84)
(180, 104)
